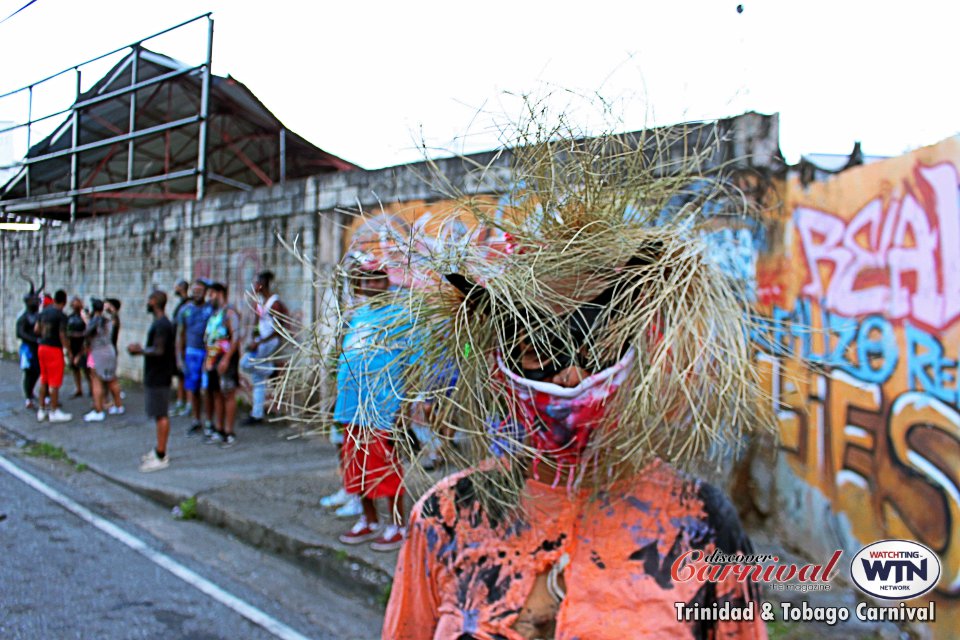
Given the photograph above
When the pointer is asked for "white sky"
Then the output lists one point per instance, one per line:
(363, 79)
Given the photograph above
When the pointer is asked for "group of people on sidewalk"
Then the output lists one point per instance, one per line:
(200, 345)
(209, 360)
(89, 340)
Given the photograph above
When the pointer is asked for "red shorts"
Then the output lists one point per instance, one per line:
(369, 464)
(51, 365)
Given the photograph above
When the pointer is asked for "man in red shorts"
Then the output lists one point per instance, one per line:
(52, 329)
(366, 410)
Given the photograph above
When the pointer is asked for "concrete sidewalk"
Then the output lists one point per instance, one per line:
(264, 490)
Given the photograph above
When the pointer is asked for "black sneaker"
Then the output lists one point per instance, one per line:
(195, 430)
(251, 421)
(214, 437)
(228, 441)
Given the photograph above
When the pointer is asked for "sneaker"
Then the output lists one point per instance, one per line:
(391, 540)
(338, 499)
(116, 411)
(41, 415)
(351, 509)
(95, 416)
(361, 532)
(251, 421)
(29, 405)
(228, 441)
(150, 462)
(214, 437)
(196, 429)
(186, 410)
(60, 416)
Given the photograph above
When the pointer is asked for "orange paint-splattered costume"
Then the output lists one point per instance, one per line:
(463, 574)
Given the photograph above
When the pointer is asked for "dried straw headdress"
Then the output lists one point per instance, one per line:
(599, 251)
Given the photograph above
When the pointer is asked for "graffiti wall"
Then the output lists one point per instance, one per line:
(402, 235)
(860, 349)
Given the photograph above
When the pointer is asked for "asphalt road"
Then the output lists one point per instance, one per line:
(62, 577)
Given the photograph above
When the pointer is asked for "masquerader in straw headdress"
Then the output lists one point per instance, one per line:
(599, 351)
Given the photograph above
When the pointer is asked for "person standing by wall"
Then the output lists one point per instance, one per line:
(29, 341)
(101, 362)
(222, 364)
(111, 307)
(258, 361)
(52, 328)
(191, 324)
(76, 326)
(181, 291)
(159, 363)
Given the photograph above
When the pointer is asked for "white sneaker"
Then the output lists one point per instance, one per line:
(95, 416)
(351, 509)
(150, 462)
(41, 415)
(60, 416)
(338, 499)
(116, 411)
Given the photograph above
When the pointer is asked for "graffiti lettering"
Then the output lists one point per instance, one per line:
(898, 459)
(866, 349)
(890, 259)
(928, 369)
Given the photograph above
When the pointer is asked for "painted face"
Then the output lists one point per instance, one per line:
(559, 420)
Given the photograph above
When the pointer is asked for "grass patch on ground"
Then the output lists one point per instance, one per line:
(46, 450)
(383, 598)
(53, 452)
(186, 510)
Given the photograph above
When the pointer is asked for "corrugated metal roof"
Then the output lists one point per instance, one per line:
(243, 148)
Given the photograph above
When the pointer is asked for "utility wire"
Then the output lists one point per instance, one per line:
(17, 11)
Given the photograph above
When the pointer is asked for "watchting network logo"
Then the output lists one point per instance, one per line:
(895, 569)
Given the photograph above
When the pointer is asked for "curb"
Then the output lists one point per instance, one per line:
(332, 563)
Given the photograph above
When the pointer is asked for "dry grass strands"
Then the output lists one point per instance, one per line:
(600, 252)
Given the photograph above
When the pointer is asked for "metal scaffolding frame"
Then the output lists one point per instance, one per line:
(153, 130)
(115, 188)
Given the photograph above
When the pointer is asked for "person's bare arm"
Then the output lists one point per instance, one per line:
(181, 346)
(64, 340)
(233, 324)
